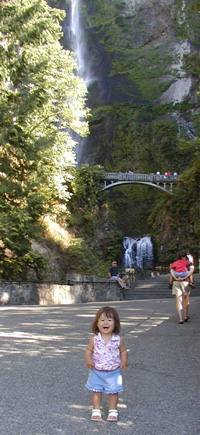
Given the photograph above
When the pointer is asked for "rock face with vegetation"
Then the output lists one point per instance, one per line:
(143, 58)
(140, 55)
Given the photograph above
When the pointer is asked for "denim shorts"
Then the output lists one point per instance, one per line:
(180, 274)
(101, 381)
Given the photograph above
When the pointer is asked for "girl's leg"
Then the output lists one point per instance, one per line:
(96, 400)
(171, 278)
(113, 401)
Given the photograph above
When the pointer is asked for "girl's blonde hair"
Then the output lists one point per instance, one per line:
(109, 312)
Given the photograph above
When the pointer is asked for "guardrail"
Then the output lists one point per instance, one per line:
(120, 176)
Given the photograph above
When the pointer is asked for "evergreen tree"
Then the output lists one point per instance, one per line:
(42, 103)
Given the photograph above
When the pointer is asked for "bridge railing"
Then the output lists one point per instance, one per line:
(121, 176)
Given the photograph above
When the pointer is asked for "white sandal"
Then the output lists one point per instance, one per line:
(96, 415)
(112, 415)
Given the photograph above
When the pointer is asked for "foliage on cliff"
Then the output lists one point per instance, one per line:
(176, 222)
(42, 102)
(96, 238)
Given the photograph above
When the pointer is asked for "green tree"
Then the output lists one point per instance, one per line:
(87, 199)
(42, 103)
(175, 223)
(97, 241)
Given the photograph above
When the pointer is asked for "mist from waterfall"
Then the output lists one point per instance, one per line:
(138, 252)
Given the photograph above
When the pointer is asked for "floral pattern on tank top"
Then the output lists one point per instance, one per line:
(106, 356)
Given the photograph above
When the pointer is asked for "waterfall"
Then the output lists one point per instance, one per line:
(138, 252)
(74, 33)
(79, 45)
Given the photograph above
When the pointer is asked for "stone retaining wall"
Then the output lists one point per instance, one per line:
(79, 289)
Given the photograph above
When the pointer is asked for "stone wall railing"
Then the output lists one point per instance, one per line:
(80, 288)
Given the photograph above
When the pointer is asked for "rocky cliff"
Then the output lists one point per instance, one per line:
(138, 54)
(142, 57)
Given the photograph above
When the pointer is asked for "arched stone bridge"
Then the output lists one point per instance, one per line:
(162, 182)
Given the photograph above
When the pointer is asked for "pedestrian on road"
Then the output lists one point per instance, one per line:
(106, 356)
(179, 267)
(181, 289)
(114, 275)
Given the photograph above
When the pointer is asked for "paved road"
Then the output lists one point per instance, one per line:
(43, 372)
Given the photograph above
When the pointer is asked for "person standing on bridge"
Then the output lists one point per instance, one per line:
(115, 276)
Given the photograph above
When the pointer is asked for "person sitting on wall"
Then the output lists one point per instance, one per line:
(114, 275)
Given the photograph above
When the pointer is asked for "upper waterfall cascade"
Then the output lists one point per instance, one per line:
(138, 252)
(79, 45)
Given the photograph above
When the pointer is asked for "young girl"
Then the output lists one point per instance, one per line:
(106, 356)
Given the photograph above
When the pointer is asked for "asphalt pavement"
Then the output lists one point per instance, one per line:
(43, 372)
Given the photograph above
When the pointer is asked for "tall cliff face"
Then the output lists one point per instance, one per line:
(143, 57)
(139, 53)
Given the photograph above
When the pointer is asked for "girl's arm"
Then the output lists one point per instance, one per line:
(124, 355)
(88, 353)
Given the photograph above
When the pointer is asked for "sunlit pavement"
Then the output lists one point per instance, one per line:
(43, 372)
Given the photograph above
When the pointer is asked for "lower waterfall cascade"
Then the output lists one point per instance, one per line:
(138, 252)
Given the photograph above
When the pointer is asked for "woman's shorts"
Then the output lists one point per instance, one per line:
(181, 288)
(101, 381)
